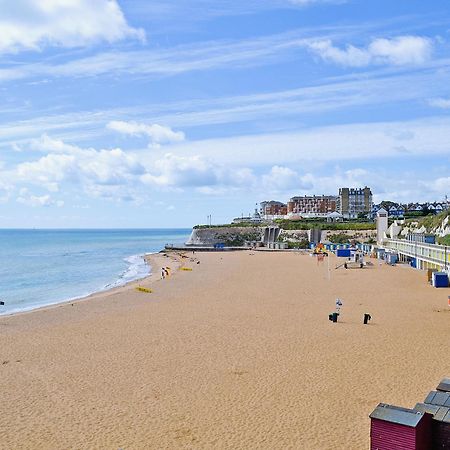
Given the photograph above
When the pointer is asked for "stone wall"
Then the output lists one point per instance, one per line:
(230, 236)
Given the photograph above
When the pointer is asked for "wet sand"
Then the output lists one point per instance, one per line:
(236, 354)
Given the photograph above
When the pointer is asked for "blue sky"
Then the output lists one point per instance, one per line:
(141, 113)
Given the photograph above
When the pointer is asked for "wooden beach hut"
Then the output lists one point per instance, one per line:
(395, 428)
(427, 426)
(437, 403)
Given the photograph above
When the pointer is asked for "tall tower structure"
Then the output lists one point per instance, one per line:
(382, 224)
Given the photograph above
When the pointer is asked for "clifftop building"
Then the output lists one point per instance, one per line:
(353, 202)
(312, 205)
(273, 209)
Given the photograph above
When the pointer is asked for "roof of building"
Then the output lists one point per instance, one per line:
(438, 398)
(437, 403)
(396, 414)
(444, 385)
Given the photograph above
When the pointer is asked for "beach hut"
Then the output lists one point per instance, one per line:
(440, 279)
(343, 253)
(444, 385)
(437, 403)
(391, 258)
(393, 427)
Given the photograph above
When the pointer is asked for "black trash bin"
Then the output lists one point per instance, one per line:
(367, 317)
(335, 317)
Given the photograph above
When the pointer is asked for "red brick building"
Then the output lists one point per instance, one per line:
(313, 204)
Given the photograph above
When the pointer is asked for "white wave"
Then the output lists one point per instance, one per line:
(137, 269)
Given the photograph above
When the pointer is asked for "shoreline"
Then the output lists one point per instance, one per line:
(151, 260)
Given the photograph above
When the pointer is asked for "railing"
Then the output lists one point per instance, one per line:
(433, 253)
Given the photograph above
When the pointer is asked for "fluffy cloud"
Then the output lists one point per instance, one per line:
(158, 134)
(399, 51)
(31, 24)
(179, 171)
(118, 175)
(88, 167)
(43, 200)
(281, 179)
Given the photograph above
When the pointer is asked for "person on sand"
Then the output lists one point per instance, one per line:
(163, 273)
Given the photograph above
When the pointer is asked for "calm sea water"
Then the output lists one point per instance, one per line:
(42, 267)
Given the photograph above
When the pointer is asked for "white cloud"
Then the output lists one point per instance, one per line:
(399, 51)
(281, 179)
(357, 141)
(174, 60)
(286, 164)
(92, 169)
(181, 171)
(351, 56)
(43, 200)
(442, 185)
(48, 144)
(442, 103)
(116, 174)
(402, 50)
(32, 25)
(158, 134)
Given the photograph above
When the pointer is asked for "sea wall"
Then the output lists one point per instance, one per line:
(230, 236)
(240, 236)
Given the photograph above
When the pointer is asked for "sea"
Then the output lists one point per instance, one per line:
(44, 267)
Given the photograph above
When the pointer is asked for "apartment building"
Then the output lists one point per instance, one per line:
(272, 209)
(354, 201)
(312, 205)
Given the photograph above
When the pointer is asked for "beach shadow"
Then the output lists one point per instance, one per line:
(239, 373)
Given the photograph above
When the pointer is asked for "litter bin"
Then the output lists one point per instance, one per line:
(367, 317)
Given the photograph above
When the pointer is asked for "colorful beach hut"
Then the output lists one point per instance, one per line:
(393, 427)
(437, 403)
(427, 426)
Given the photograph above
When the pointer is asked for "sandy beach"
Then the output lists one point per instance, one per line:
(236, 354)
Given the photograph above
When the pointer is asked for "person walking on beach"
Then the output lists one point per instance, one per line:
(163, 273)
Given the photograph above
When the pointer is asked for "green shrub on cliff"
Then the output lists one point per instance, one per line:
(444, 240)
(298, 245)
(320, 224)
(340, 238)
